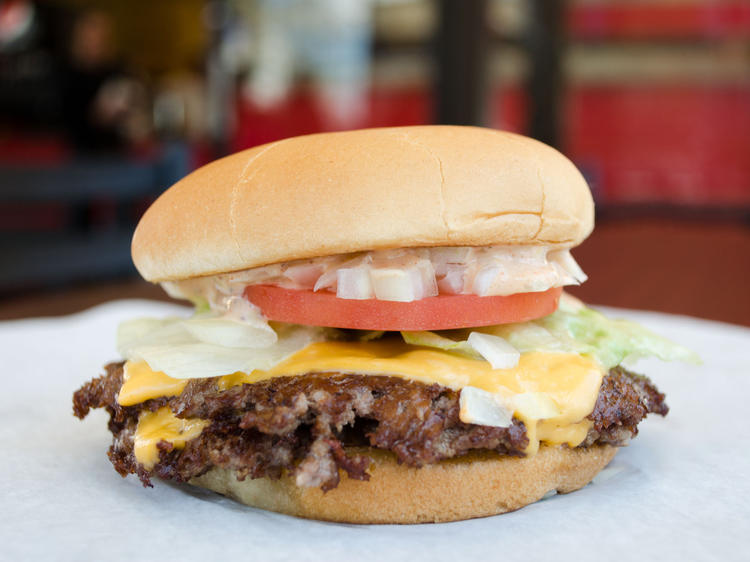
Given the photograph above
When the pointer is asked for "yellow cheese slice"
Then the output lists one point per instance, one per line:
(162, 425)
(570, 381)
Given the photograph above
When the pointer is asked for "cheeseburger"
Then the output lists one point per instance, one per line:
(379, 333)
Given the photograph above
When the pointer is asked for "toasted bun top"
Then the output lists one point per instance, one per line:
(371, 189)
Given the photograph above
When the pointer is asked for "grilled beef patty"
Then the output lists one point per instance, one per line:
(302, 424)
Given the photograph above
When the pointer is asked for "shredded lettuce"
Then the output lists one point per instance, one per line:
(614, 341)
(230, 332)
(433, 339)
(202, 347)
(201, 304)
(578, 330)
(370, 335)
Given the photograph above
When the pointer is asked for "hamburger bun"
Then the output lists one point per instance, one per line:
(334, 193)
(476, 485)
(391, 421)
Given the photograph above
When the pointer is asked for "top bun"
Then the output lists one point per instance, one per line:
(372, 189)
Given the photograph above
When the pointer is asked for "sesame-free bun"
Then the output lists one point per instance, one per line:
(371, 189)
(477, 485)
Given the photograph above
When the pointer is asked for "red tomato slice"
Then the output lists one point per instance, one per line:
(443, 312)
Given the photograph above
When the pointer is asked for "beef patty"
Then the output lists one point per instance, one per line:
(303, 424)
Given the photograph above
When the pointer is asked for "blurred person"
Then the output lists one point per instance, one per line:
(105, 108)
(327, 40)
(180, 107)
(29, 92)
(19, 24)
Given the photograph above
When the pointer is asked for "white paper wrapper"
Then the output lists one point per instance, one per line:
(678, 492)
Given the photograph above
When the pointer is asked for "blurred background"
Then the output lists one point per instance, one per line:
(104, 104)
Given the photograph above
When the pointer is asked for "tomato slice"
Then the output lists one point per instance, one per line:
(443, 312)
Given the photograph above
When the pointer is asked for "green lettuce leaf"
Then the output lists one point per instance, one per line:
(202, 306)
(210, 346)
(613, 341)
(433, 339)
(571, 329)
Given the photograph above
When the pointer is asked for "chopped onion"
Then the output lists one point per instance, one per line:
(327, 280)
(425, 272)
(424, 275)
(304, 274)
(241, 309)
(442, 258)
(508, 278)
(394, 254)
(498, 352)
(480, 407)
(453, 281)
(569, 264)
(404, 284)
(354, 283)
(391, 284)
(255, 275)
(486, 279)
(565, 278)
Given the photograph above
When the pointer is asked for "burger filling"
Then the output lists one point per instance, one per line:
(252, 382)
(312, 425)
(265, 399)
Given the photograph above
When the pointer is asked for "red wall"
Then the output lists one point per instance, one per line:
(680, 144)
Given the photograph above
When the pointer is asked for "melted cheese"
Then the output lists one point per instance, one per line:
(141, 383)
(162, 425)
(572, 382)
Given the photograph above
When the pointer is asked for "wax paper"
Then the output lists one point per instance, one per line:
(679, 491)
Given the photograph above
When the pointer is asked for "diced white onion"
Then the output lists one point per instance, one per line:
(390, 284)
(251, 276)
(480, 407)
(304, 275)
(354, 283)
(327, 280)
(565, 278)
(498, 352)
(482, 271)
(569, 264)
(394, 254)
(453, 281)
(241, 309)
(486, 279)
(507, 278)
(442, 258)
(424, 274)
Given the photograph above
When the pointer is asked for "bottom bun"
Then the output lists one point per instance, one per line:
(475, 485)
